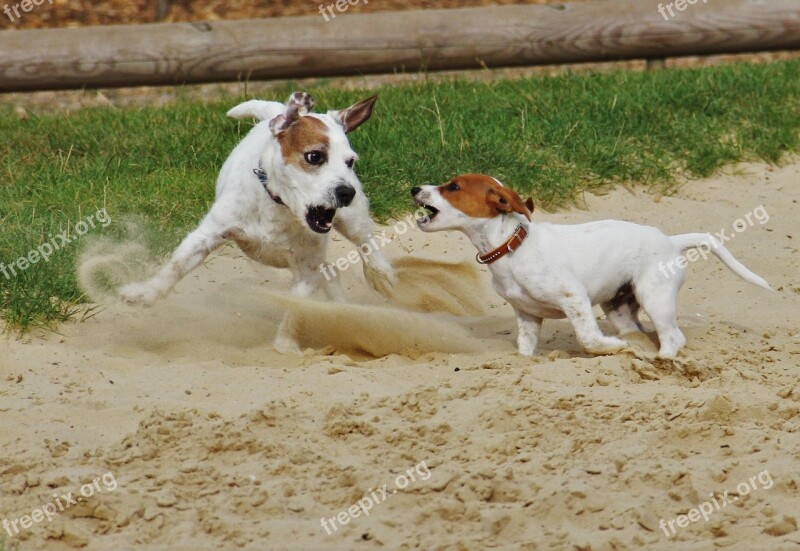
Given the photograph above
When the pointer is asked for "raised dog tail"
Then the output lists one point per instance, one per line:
(257, 109)
(707, 242)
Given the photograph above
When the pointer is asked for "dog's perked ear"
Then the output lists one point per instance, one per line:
(504, 199)
(355, 115)
(529, 204)
(299, 105)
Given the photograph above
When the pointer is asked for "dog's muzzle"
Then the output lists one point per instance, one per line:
(420, 201)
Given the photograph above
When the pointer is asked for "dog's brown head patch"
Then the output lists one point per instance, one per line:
(304, 136)
(480, 196)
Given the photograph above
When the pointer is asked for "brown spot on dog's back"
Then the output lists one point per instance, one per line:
(306, 134)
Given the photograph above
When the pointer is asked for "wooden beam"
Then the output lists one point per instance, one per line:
(350, 43)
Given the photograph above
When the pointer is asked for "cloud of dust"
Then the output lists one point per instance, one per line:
(108, 262)
(421, 315)
(373, 330)
(433, 286)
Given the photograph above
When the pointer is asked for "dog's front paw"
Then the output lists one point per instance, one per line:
(525, 351)
(381, 276)
(286, 340)
(138, 294)
(606, 345)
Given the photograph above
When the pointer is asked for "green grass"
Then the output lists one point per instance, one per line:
(551, 137)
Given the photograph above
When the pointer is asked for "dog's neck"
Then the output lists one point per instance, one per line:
(268, 174)
(489, 233)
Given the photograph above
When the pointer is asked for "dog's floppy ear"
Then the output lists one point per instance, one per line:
(278, 124)
(504, 199)
(299, 105)
(355, 115)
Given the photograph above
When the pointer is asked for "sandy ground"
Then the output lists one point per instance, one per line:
(203, 437)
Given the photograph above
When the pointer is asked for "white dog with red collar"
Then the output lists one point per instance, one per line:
(556, 271)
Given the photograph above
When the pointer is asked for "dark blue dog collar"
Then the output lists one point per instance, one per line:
(262, 177)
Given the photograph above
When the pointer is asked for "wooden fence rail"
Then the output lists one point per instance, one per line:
(350, 43)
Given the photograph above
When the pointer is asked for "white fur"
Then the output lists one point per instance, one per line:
(273, 234)
(563, 270)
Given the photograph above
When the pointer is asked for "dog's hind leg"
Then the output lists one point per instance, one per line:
(306, 280)
(192, 251)
(355, 224)
(623, 311)
(625, 319)
(334, 291)
(286, 340)
(659, 300)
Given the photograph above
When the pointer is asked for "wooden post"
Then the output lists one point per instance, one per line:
(656, 64)
(352, 44)
(162, 9)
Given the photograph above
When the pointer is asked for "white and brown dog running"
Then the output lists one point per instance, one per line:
(282, 189)
(556, 271)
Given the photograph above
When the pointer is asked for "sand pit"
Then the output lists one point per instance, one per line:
(216, 441)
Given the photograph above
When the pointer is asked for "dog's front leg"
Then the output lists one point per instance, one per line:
(528, 330)
(305, 263)
(307, 278)
(355, 224)
(192, 251)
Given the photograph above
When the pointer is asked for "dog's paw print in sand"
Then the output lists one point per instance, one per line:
(342, 421)
(644, 367)
(416, 405)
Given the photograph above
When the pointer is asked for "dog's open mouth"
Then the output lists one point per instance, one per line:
(430, 214)
(320, 219)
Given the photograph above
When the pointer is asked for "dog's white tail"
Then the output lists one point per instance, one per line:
(257, 109)
(708, 242)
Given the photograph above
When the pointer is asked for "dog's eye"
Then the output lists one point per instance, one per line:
(315, 158)
(453, 187)
(350, 163)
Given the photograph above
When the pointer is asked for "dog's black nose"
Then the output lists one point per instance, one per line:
(344, 195)
(415, 190)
